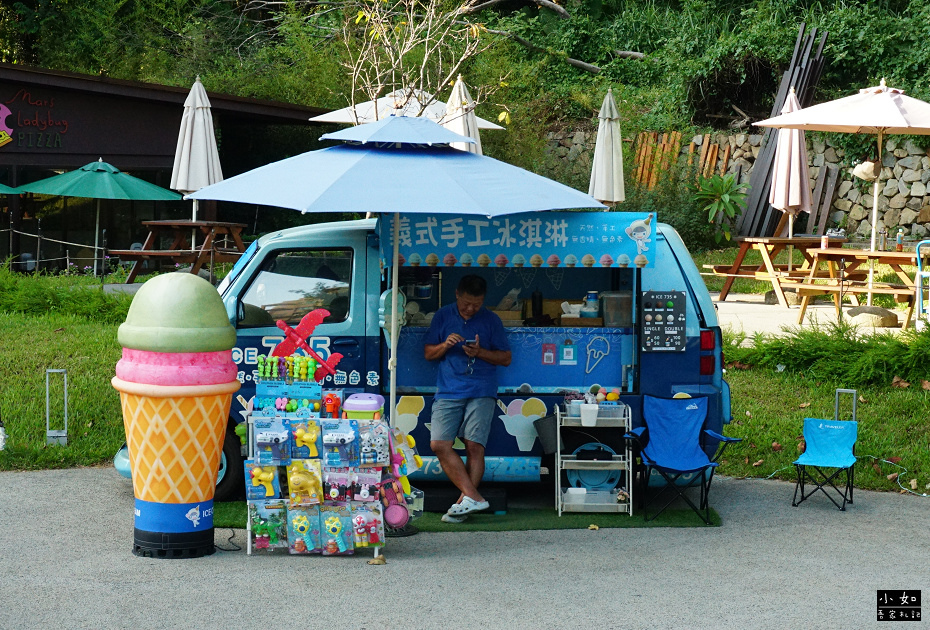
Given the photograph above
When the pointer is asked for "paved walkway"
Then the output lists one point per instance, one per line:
(67, 564)
(748, 312)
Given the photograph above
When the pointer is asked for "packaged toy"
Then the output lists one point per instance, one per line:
(303, 530)
(267, 525)
(337, 529)
(340, 443)
(272, 440)
(336, 484)
(304, 482)
(374, 443)
(367, 525)
(306, 439)
(261, 482)
(364, 483)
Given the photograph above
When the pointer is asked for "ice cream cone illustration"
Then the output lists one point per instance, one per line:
(640, 261)
(536, 260)
(519, 260)
(500, 260)
(571, 260)
(587, 260)
(176, 380)
(432, 260)
(553, 261)
(449, 260)
(414, 260)
(466, 260)
(484, 260)
(606, 260)
(623, 260)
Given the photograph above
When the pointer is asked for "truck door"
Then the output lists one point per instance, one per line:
(289, 283)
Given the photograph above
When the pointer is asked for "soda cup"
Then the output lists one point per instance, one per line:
(824, 242)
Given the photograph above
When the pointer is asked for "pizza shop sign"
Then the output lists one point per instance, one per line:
(29, 120)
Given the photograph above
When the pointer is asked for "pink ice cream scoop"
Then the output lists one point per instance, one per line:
(500, 260)
(553, 261)
(401, 260)
(449, 260)
(606, 260)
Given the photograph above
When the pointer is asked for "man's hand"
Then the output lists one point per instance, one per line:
(471, 349)
(453, 339)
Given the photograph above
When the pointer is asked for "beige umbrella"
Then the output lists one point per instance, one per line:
(878, 110)
(460, 118)
(607, 167)
(404, 102)
(196, 159)
(791, 190)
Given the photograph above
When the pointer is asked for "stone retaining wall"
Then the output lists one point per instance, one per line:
(904, 199)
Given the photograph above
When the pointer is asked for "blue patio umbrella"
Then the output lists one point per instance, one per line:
(399, 163)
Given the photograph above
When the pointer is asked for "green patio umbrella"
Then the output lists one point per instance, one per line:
(99, 180)
(6, 190)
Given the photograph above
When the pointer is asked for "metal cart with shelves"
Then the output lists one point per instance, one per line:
(572, 499)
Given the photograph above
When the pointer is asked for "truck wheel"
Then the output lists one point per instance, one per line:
(229, 484)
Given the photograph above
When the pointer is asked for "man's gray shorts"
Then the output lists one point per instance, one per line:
(468, 418)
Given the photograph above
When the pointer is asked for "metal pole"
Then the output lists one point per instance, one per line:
(38, 242)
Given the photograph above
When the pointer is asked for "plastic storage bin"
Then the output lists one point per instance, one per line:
(617, 308)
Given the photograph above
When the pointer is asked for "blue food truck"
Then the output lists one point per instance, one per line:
(645, 324)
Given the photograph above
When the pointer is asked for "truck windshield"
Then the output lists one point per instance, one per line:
(291, 283)
(238, 267)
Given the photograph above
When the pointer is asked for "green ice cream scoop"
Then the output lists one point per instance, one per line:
(177, 312)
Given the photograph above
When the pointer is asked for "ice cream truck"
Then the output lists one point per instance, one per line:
(610, 299)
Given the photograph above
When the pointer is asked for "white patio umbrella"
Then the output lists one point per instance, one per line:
(878, 110)
(791, 189)
(196, 159)
(404, 102)
(607, 167)
(460, 118)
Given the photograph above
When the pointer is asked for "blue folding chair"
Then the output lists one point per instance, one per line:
(670, 444)
(830, 445)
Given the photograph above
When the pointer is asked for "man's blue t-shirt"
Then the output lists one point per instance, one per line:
(456, 378)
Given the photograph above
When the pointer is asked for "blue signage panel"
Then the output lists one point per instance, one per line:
(537, 239)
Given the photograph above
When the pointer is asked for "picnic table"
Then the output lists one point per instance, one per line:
(769, 247)
(221, 242)
(844, 272)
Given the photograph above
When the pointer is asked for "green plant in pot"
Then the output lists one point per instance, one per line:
(722, 198)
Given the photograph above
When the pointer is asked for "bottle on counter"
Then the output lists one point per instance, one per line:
(899, 240)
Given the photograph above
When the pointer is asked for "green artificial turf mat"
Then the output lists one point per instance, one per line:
(516, 519)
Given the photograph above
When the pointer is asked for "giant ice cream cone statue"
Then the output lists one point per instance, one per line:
(176, 380)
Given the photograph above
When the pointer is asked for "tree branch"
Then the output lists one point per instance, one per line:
(629, 54)
(588, 67)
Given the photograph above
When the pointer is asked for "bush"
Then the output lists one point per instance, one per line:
(81, 297)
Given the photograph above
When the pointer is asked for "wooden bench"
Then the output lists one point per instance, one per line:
(179, 255)
(854, 288)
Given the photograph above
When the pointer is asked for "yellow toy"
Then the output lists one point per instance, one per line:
(308, 438)
(264, 477)
(303, 483)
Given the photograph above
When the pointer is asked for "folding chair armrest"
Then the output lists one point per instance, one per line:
(722, 438)
(722, 442)
(639, 435)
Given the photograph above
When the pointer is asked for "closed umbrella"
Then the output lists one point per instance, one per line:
(878, 110)
(196, 159)
(404, 102)
(790, 191)
(607, 167)
(397, 164)
(99, 180)
(460, 117)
